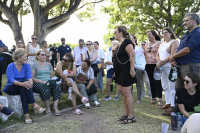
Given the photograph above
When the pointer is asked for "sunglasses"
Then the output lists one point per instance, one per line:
(19, 42)
(65, 60)
(150, 49)
(142, 44)
(34, 38)
(186, 81)
(89, 44)
(43, 54)
(62, 40)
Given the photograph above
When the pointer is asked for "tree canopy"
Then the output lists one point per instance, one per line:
(141, 15)
(48, 14)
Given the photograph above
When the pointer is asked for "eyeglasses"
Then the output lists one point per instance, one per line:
(84, 65)
(34, 38)
(142, 44)
(150, 49)
(89, 44)
(43, 54)
(19, 42)
(65, 60)
(186, 81)
(62, 40)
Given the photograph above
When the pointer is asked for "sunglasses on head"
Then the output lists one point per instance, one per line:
(19, 42)
(34, 38)
(43, 54)
(65, 60)
(186, 81)
(89, 44)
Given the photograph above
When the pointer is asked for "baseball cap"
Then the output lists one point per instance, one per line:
(157, 74)
(49, 84)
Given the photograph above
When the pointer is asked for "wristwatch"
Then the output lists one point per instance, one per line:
(132, 71)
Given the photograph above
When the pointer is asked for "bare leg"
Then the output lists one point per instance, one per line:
(74, 100)
(108, 83)
(47, 106)
(55, 106)
(124, 100)
(117, 89)
(1, 106)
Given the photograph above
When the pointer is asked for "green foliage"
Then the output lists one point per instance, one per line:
(141, 15)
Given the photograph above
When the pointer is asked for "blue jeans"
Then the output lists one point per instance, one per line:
(183, 118)
(99, 79)
(26, 95)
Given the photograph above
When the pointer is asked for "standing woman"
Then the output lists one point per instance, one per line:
(93, 54)
(20, 44)
(44, 47)
(31, 48)
(150, 52)
(166, 49)
(123, 63)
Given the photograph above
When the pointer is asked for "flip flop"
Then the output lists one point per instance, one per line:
(77, 111)
(84, 100)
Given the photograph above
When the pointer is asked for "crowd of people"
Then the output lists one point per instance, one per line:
(170, 66)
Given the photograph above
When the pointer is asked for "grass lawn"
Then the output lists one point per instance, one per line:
(148, 117)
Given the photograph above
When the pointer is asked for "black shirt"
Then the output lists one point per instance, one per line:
(189, 101)
(54, 55)
(121, 57)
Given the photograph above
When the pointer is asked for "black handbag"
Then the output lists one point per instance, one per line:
(92, 90)
(94, 66)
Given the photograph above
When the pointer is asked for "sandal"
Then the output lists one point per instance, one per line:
(27, 121)
(153, 101)
(138, 102)
(84, 100)
(122, 118)
(161, 105)
(127, 121)
(41, 110)
(78, 112)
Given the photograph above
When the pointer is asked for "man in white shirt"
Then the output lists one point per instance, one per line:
(100, 62)
(110, 74)
(81, 49)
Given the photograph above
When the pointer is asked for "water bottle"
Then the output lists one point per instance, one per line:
(179, 122)
(174, 121)
(70, 93)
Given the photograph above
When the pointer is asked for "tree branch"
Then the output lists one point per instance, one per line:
(19, 6)
(63, 16)
(5, 21)
(53, 27)
(89, 3)
(51, 5)
(71, 3)
(12, 5)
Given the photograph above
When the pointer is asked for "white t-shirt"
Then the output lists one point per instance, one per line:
(192, 124)
(101, 55)
(139, 48)
(108, 58)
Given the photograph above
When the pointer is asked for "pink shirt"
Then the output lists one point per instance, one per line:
(151, 56)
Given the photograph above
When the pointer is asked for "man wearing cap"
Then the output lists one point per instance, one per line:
(3, 47)
(78, 51)
(188, 52)
(62, 49)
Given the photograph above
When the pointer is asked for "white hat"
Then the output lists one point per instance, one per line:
(157, 74)
(62, 37)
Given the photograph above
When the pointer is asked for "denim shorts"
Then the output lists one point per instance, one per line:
(110, 73)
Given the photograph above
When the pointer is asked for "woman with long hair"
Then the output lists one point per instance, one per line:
(166, 49)
(150, 51)
(124, 63)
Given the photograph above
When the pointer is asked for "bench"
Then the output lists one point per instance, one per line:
(4, 102)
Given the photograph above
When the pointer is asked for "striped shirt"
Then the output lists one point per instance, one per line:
(89, 74)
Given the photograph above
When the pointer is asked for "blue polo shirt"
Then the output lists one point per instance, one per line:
(63, 50)
(191, 40)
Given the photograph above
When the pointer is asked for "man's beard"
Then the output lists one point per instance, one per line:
(63, 43)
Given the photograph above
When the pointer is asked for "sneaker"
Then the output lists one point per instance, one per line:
(97, 103)
(116, 98)
(87, 106)
(7, 111)
(107, 98)
(143, 95)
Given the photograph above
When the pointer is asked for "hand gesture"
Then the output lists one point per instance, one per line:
(87, 88)
(132, 73)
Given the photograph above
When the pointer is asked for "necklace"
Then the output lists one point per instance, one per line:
(150, 47)
(42, 65)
